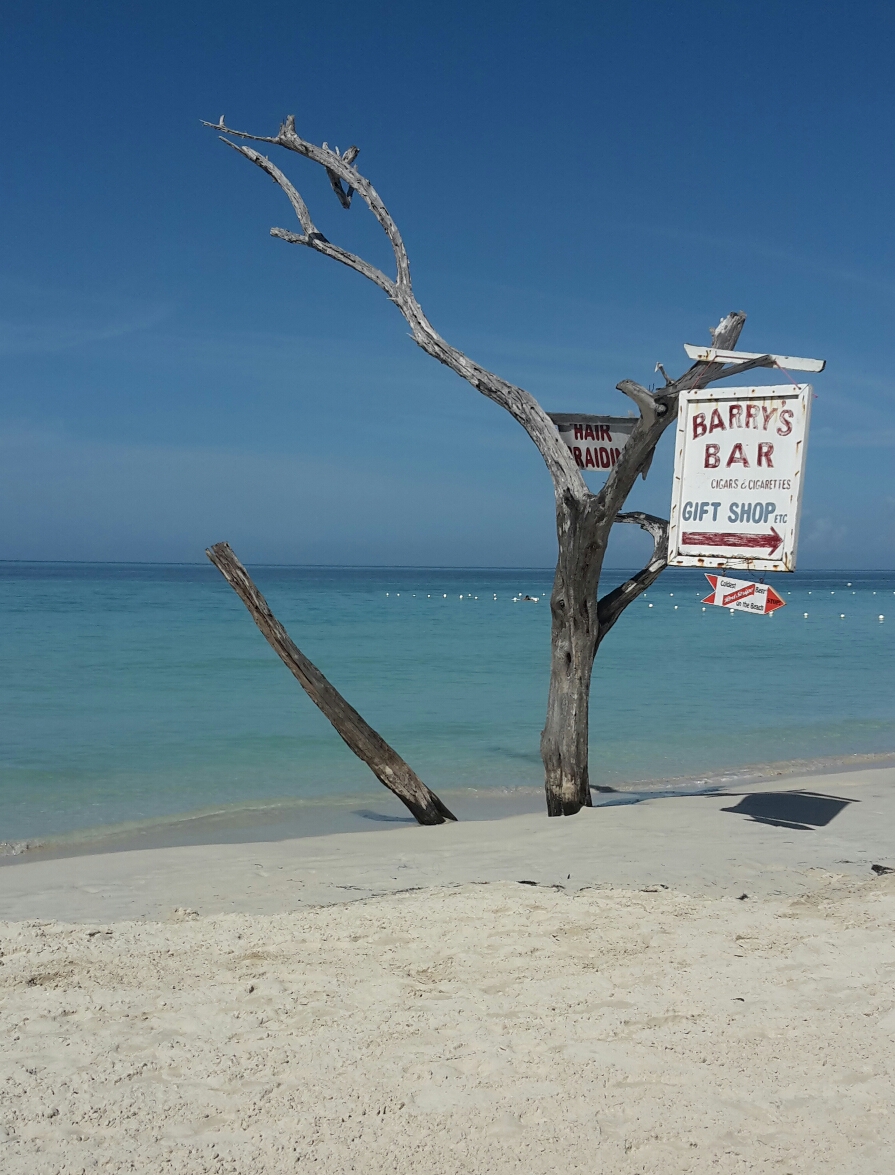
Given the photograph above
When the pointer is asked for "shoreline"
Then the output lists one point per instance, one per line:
(287, 819)
(766, 838)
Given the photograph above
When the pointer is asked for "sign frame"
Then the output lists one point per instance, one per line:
(717, 547)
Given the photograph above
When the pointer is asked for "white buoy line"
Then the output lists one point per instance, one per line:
(520, 598)
(526, 598)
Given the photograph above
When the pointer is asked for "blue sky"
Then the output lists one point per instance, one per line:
(582, 188)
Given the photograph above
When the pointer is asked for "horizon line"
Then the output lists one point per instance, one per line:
(380, 566)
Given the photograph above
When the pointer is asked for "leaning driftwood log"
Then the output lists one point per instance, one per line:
(385, 763)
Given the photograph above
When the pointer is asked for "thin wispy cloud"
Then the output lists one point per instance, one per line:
(53, 334)
(753, 247)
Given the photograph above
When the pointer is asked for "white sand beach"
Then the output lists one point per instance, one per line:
(683, 988)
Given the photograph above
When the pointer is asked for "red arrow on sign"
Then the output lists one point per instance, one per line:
(773, 602)
(770, 542)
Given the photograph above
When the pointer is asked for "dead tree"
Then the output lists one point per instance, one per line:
(580, 619)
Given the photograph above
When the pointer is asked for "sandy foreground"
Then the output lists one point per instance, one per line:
(397, 1001)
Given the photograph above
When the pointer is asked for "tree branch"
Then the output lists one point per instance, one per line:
(614, 603)
(311, 237)
(295, 199)
(321, 245)
(523, 407)
(385, 763)
(642, 398)
(343, 197)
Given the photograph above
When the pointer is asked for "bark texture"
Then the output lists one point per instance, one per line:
(385, 762)
(584, 519)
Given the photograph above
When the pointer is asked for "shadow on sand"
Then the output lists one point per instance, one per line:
(804, 810)
(367, 814)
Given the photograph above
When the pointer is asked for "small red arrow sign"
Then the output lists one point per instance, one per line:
(743, 595)
(769, 542)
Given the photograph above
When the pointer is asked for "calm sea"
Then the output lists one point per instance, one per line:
(143, 696)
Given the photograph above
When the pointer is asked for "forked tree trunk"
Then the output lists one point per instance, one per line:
(584, 519)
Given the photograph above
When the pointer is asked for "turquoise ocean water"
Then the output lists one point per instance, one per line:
(143, 696)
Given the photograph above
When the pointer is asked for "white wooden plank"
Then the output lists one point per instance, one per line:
(715, 355)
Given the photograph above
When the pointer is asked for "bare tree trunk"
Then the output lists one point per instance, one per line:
(574, 639)
(385, 763)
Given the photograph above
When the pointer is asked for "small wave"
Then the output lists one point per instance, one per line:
(15, 848)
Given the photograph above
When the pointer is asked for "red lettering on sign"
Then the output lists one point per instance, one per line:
(751, 416)
(737, 457)
(784, 428)
(712, 459)
(740, 594)
(588, 433)
(605, 462)
(716, 421)
(576, 453)
(579, 432)
(735, 413)
(765, 449)
(768, 415)
(699, 425)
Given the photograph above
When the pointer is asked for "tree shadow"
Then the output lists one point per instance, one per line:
(803, 810)
(367, 814)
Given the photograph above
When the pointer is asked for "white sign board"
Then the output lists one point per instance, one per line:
(738, 462)
(595, 442)
(744, 595)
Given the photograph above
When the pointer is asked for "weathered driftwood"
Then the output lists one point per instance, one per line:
(385, 763)
(583, 519)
